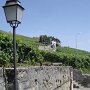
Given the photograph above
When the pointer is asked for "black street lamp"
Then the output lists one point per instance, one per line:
(13, 12)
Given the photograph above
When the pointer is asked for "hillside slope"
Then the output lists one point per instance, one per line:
(28, 53)
(24, 39)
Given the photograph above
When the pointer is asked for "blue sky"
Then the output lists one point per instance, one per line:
(68, 20)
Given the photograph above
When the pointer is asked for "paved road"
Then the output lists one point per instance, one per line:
(81, 89)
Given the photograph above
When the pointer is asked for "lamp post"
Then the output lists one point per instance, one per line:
(77, 40)
(13, 12)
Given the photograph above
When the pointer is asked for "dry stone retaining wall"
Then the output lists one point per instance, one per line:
(40, 78)
(2, 83)
(44, 78)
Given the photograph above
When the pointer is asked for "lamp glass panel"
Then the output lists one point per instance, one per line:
(19, 13)
(11, 13)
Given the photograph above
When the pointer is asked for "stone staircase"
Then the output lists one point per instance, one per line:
(82, 79)
(77, 86)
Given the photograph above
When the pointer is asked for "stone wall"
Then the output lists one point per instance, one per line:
(2, 83)
(49, 48)
(40, 78)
